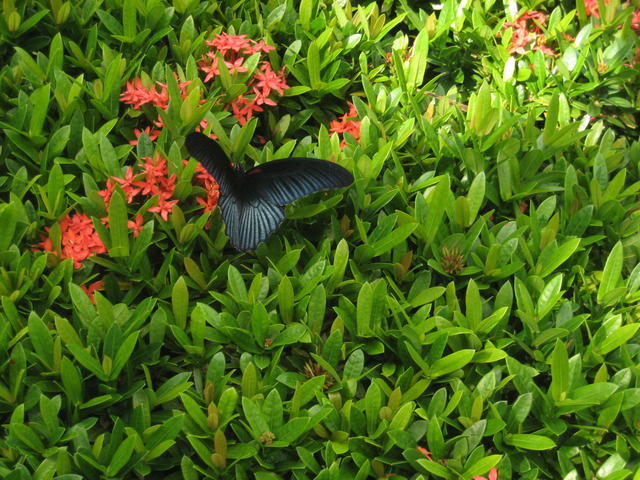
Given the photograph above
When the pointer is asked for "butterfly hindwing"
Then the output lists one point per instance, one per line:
(258, 220)
(231, 209)
(284, 181)
(213, 159)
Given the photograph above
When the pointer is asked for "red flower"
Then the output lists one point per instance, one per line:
(136, 225)
(268, 80)
(635, 19)
(236, 66)
(137, 95)
(493, 475)
(527, 37)
(128, 185)
(107, 192)
(235, 49)
(164, 206)
(45, 243)
(155, 167)
(425, 452)
(260, 46)
(346, 124)
(90, 290)
(210, 203)
(592, 9)
(243, 109)
(79, 239)
(211, 69)
(152, 134)
(234, 43)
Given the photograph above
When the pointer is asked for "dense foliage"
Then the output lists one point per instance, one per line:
(468, 308)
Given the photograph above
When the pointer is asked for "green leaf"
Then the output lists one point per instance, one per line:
(27, 436)
(124, 353)
(71, 381)
(547, 263)
(255, 417)
(482, 466)
(618, 338)
(476, 197)
(129, 19)
(418, 60)
(89, 362)
(55, 190)
(285, 299)
(451, 362)
(306, 10)
(559, 372)
(436, 202)
(529, 442)
(121, 456)
(340, 259)
(549, 296)
(435, 468)
(305, 392)
(313, 66)
(364, 311)
(180, 302)
(172, 388)
(118, 225)
(611, 276)
(394, 238)
(40, 337)
(39, 100)
(236, 285)
(290, 335)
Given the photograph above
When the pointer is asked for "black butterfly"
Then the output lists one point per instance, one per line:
(252, 202)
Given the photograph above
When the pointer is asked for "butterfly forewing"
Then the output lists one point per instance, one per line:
(284, 181)
(213, 159)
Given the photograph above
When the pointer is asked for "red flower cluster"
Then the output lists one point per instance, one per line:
(206, 181)
(79, 239)
(346, 123)
(235, 49)
(153, 180)
(592, 9)
(528, 36)
(137, 95)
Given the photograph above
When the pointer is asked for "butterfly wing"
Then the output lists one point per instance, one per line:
(257, 220)
(213, 159)
(251, 202)
(282, 181)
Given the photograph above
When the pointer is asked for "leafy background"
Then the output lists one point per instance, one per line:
(469, 307)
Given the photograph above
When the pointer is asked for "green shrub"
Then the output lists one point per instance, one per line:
(467, 308)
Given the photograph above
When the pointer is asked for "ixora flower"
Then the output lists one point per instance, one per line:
(346, 123)
(137, 95)
(91, 289)
(493, 475)
(234, 50)
(79, 239)
(527, 34)
(425, 453)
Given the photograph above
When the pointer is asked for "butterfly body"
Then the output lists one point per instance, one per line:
(252, 202)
